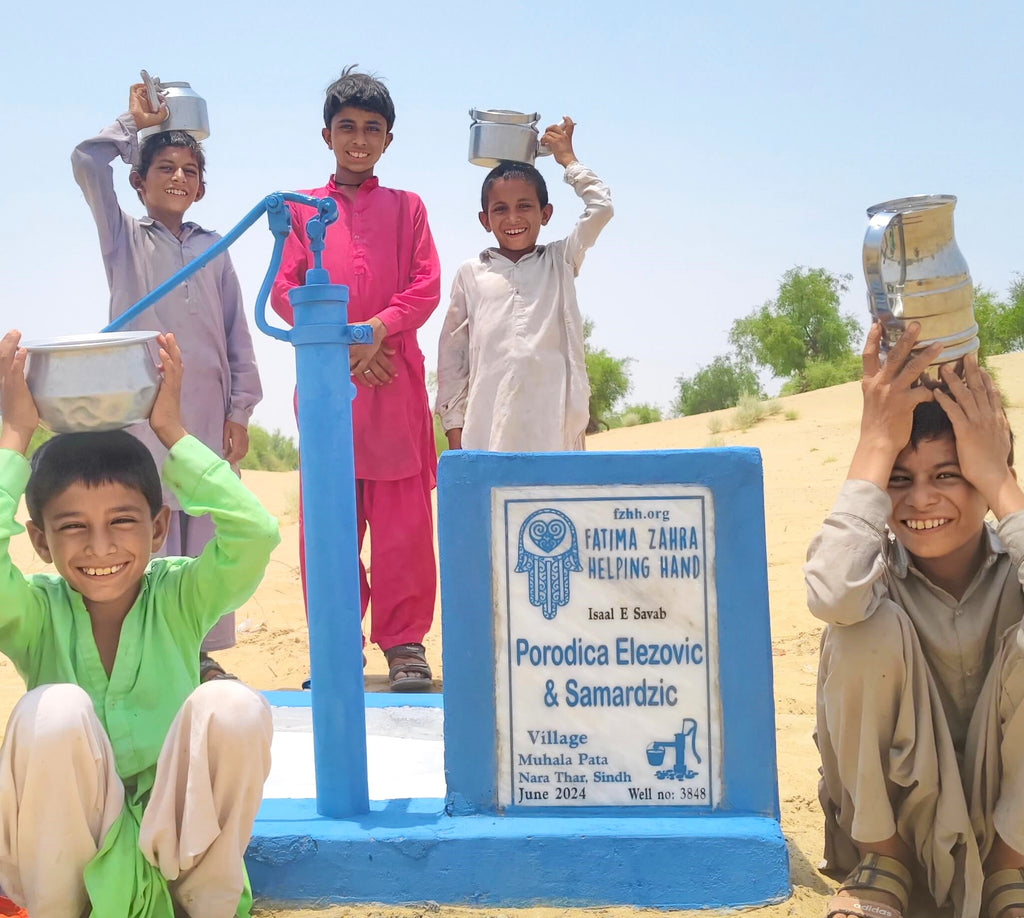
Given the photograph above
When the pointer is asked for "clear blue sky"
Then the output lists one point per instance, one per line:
(739, 140)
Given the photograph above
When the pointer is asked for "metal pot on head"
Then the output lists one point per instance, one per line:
(916, 272)
(83, 383)
(498, 135)
(186, 109)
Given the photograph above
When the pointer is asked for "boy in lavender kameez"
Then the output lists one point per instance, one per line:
(205, 313)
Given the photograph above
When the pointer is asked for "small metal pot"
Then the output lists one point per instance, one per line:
(498, 135)
(186, 109)
(93, 382)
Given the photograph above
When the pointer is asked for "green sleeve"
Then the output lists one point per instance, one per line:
(232, 564)
(22, 605)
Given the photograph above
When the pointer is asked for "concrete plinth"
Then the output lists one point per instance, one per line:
(407, 850)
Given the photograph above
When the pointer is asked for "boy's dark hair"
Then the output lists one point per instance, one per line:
(515, 171)
(360, 90)
(110, 457)
(932, 423)
(157, 142)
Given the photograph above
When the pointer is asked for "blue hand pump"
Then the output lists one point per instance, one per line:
(321, 337)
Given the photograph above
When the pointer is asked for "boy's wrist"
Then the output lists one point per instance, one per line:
(873, 461)
(170, 434)
(15, 439)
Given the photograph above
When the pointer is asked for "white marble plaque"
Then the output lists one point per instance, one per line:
(606, 646)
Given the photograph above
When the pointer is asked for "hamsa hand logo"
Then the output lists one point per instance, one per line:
(548, 553)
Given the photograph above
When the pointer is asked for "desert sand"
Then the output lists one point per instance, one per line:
(805, 446)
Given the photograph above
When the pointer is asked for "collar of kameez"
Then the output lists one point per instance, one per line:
(489, 253)
(187, 228)
(900, 557)
(338, 188)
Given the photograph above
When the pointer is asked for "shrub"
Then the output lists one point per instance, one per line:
(270, 452)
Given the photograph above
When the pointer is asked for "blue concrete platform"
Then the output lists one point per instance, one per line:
(407, 850)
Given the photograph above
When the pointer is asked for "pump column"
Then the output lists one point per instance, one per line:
(321, 337)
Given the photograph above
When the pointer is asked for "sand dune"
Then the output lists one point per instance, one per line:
(805, 447)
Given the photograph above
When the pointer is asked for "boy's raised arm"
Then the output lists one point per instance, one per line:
(21, 612)
(890, 398)
(596, 196)
(975, 409)
(231, 566)
(846, 559)
(91, 159)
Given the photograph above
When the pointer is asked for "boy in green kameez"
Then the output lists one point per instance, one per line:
(125, 785)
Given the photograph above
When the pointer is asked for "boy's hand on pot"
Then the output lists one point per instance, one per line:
(140, 110)
(20, 417)
(165, 418)
(558, 139)
(890, 395)
(890, 398)
(975, 409)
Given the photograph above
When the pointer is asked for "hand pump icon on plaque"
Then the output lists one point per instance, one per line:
(684, 743)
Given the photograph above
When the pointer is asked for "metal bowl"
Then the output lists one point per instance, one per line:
(93, 382)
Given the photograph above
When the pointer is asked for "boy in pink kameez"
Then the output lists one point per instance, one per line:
(381, 248)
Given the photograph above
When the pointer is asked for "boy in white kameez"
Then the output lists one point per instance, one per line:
(511, 374)
(922, 660)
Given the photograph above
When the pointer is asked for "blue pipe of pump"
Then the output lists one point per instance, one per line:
(321, 337)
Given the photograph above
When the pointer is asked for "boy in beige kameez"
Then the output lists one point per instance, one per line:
(922, 659)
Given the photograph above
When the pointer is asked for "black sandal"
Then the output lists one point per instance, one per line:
(410, 660)
(210, 669)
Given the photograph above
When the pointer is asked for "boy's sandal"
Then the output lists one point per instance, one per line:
(210, 669)
(1003, 889)
(408, 668)
(874, 872)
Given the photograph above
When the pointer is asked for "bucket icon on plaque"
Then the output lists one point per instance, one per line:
(683, 746)
(548, 553)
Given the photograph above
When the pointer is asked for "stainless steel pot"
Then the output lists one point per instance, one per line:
(186, 109)
(915, 271)
(93, 382)
(498, 135)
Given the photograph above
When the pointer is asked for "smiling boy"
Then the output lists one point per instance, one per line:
(922, 666)
(205, 313)
(381, 248)
(511, 371)
(125, 785)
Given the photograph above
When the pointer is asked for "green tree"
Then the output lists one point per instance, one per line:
(715, 386)
(1000, 325)
(609, 381)
(802, 325)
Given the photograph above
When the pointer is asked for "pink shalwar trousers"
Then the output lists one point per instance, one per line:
(402, 582)
(60, 793)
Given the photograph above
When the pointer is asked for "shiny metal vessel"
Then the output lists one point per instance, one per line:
(93, 382)
(915, 271)
(499, 135)
(186, 109)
